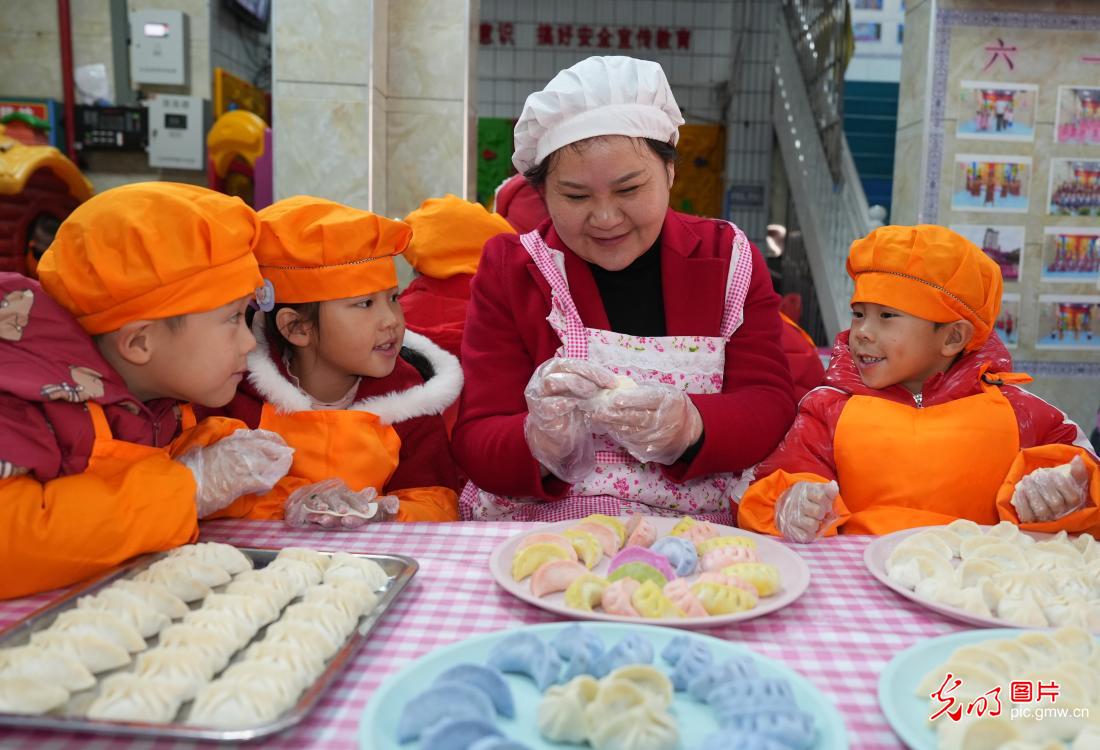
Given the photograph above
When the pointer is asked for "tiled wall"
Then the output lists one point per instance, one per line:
(730, 40)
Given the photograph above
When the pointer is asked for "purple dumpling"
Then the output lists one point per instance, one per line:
(642, 555)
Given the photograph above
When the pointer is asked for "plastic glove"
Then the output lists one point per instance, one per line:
(558, 430)
(245, 462)
(652, 421)
(1050, 494)
(805, 510)
(333, 505)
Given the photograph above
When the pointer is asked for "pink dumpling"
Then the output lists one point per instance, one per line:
(700, 532)
(713, 576)
(642, 555)
(721, 557)
(679, 593)
(608, 539)
(555, 575)
(617, 598)
(544, 538)
(640, 532)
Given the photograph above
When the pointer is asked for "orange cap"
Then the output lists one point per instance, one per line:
(930, 272)
(312, 249)
(448, 235)
(151, 250)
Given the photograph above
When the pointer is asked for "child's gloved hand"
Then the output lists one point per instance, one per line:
(1050, 494)
(654, 422)
(245, 462)
(557, 429)
(805, 510)
(331, 504)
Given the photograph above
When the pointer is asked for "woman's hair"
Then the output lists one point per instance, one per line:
(537, 174)
(308, 313)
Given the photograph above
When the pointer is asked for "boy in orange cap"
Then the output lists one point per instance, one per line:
(140, 306)
(339, 378)
(920, 420)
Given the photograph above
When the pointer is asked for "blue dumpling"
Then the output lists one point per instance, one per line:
(751, 695)
(496, 743)
(790, 726)
(634, 649)
(524, 653)
(442, 703)
(693, 662)
(679, 552)
(737, 669)
(457, 735)
(729, 739)
(679, 646)
(580, 649)
(487, 680)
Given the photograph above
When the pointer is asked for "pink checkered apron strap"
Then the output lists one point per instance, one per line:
(575, 336)
(737, 283)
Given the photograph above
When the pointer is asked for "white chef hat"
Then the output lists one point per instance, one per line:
(612, 95)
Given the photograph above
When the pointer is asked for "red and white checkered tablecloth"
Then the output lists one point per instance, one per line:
(839, 634)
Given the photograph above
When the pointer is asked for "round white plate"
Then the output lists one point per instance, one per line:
(378, 726)
(794, 578)
(878, 551)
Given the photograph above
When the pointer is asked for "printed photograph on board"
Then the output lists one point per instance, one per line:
(1071, 254)
(1069, 321)
(997, 111)
(1074, 187)
(1078, 117)
(1008, 322)
(984, 182)
(1002, 243)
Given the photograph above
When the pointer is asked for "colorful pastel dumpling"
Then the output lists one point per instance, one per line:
(585, 592)
(618, 598)
(544, 538)
(689, 658)
(586, 545)
(529, 559)
(555, 575)
(652, 681)
(724, 739)
(441, 702)
(609, 540)
(612, 523)
(679, 593)
(580, 648)
(642, 555)
(694, 531)
(525, 653)
(561, 710)
(640, 532)
(634, 649)
(723, 600)
(679, 552)
(714, 576)
(744, 696)
(790, 725)
(682, 526)
(763, 576)
(680, 647)
(640, 572)
(487, 680)
(723, 557)
(458, 734)
(707, 545)
(650, 601)
(717, 677)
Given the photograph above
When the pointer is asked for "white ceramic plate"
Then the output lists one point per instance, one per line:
(878, 551)
(794, 578)
(378, 726)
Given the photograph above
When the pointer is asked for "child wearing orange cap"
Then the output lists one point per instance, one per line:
(139, 309)
(339, 378)
(920, 420)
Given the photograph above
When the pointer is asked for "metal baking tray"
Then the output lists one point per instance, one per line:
(67, 718)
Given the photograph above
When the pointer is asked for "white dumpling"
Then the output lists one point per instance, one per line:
(1063, 610)
(561, 711)
(156, 595)
(301, 575)
(972, 733)
(1022, 610)
(1005, 531)
(1087, 547)
(979, 600)
(1007, 556)
(234, 632)
(312, 557)
(276, 597)
(644, 726)
(203, 572)
(976, 677)
(1050, 562)
(216, 646)
(232, 705)
(50, 667)
(266, 577)
(187, 669)
(26, 695)
(930, 541)
(255, 611)
(1075, 583)
(225, 556)
(985, 655)
(653, 682)
(1023, 582)
(127, 697)
(305, 635)
(304, 663)
(964, 528)
(353, 597)
(907, 566)
(94, 652)
(972, 544)
(940, 588)
(1075, 643)
(176, 580)
(1087, 739)
(144, 618)
(282, 686)
(948, 537)
(336, 623)
(345, 567)
(106, 625)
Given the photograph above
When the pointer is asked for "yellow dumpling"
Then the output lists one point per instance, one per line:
(588, 547)
(720, 599)
(682, 525)
(612, 523)
(707, 545)
(530, 558)
(763, 576)
(650, 601)
(585, 592)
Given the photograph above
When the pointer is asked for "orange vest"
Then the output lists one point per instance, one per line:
(935, 464)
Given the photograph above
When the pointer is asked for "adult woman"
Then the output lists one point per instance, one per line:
(615, 284)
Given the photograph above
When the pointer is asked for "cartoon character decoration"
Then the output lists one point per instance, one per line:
(239, 158)
(15, 313)
(86, 384)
